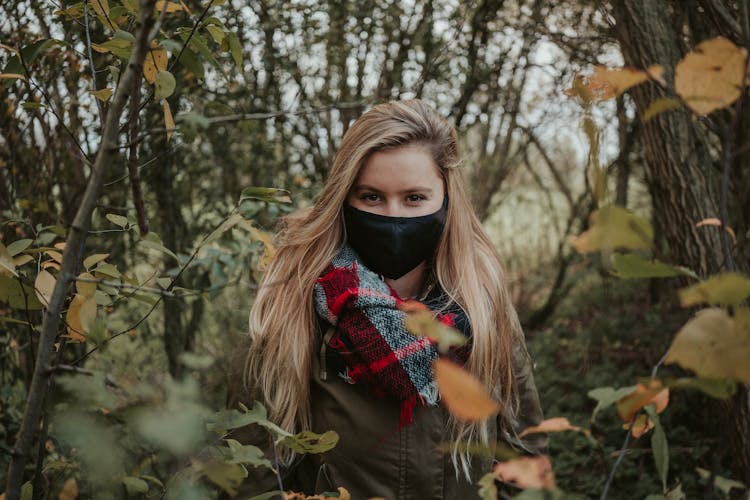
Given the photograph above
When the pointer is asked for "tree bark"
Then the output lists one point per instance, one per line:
(681, 171)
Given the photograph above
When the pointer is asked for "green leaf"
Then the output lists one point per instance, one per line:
(229, 223)
(189, 59)
(659, 446)
(726, 288)
(19, 246)
(716, 388)
(107, 270)
(225, 420)
(270, 195)
(153, 241)
(607, 396)
(164, 85)
(227, 476)
(246, 454)
(94, 259)
(118, 46)
(135, 485)
(17, 295)
(659, 106)
(235, 47)
(199, 43)
(216, 33)
(487, 488)
(118, 220)
(310, 442)
(631, 265)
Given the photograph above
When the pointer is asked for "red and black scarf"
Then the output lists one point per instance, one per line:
(370, 336)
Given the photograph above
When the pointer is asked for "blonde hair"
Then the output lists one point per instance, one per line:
(282, 319)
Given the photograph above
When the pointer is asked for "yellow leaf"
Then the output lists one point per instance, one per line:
(80, 316)
(267, 239)
(609, 83)
(101, 7)
(102, 94)
(168, 120)
(50, 263)
(22, 259)
(655, 393)
(156, 60)
(659, 106)
(44, 285)
(527, 472)
(169, 6)
(713, 346)
(725, 288)
(86, 288)
(710, 76)
(462, 393)
(70, 488)
(614, 227)
(557, 424)
(60, 245)
(56, 256)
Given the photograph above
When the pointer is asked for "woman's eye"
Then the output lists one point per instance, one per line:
(415, 198)
(369, 197)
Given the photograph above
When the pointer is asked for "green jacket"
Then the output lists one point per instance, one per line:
(375, 457)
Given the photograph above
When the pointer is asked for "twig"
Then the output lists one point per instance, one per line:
(617, 464)
(91, 61)
(135, 178)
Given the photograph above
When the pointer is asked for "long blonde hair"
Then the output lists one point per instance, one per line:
(282, 319)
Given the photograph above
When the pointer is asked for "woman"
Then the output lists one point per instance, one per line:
(328, 350)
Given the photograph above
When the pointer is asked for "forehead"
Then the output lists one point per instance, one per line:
(400, 168)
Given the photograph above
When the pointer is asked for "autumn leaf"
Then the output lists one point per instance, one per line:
(713, 345)
(101, 8)
(168, 7)
(102, 94)
(713, 221)
(424, 324)
(653, 393)
(44, 285)
(608, 83)
(660, 106)
(527, 472)
(70, 488)
(641, 426)
(86, 288)
(710, 76)
(6, 261)
(463, 395)
(155, 61)
(80, 316)
(168, 119)
(557, 424)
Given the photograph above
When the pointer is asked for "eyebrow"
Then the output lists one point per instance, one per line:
(415, 189)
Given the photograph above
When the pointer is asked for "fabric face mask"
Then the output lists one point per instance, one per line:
(393, 246)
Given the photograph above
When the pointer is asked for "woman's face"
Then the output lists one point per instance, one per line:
(400, 182)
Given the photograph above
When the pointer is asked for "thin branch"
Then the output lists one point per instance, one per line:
(91, 61)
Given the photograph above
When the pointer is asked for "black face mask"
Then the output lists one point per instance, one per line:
(393, 246)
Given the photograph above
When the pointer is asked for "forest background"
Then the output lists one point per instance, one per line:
(135, 220)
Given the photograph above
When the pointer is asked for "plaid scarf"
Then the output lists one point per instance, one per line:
(371, 339)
